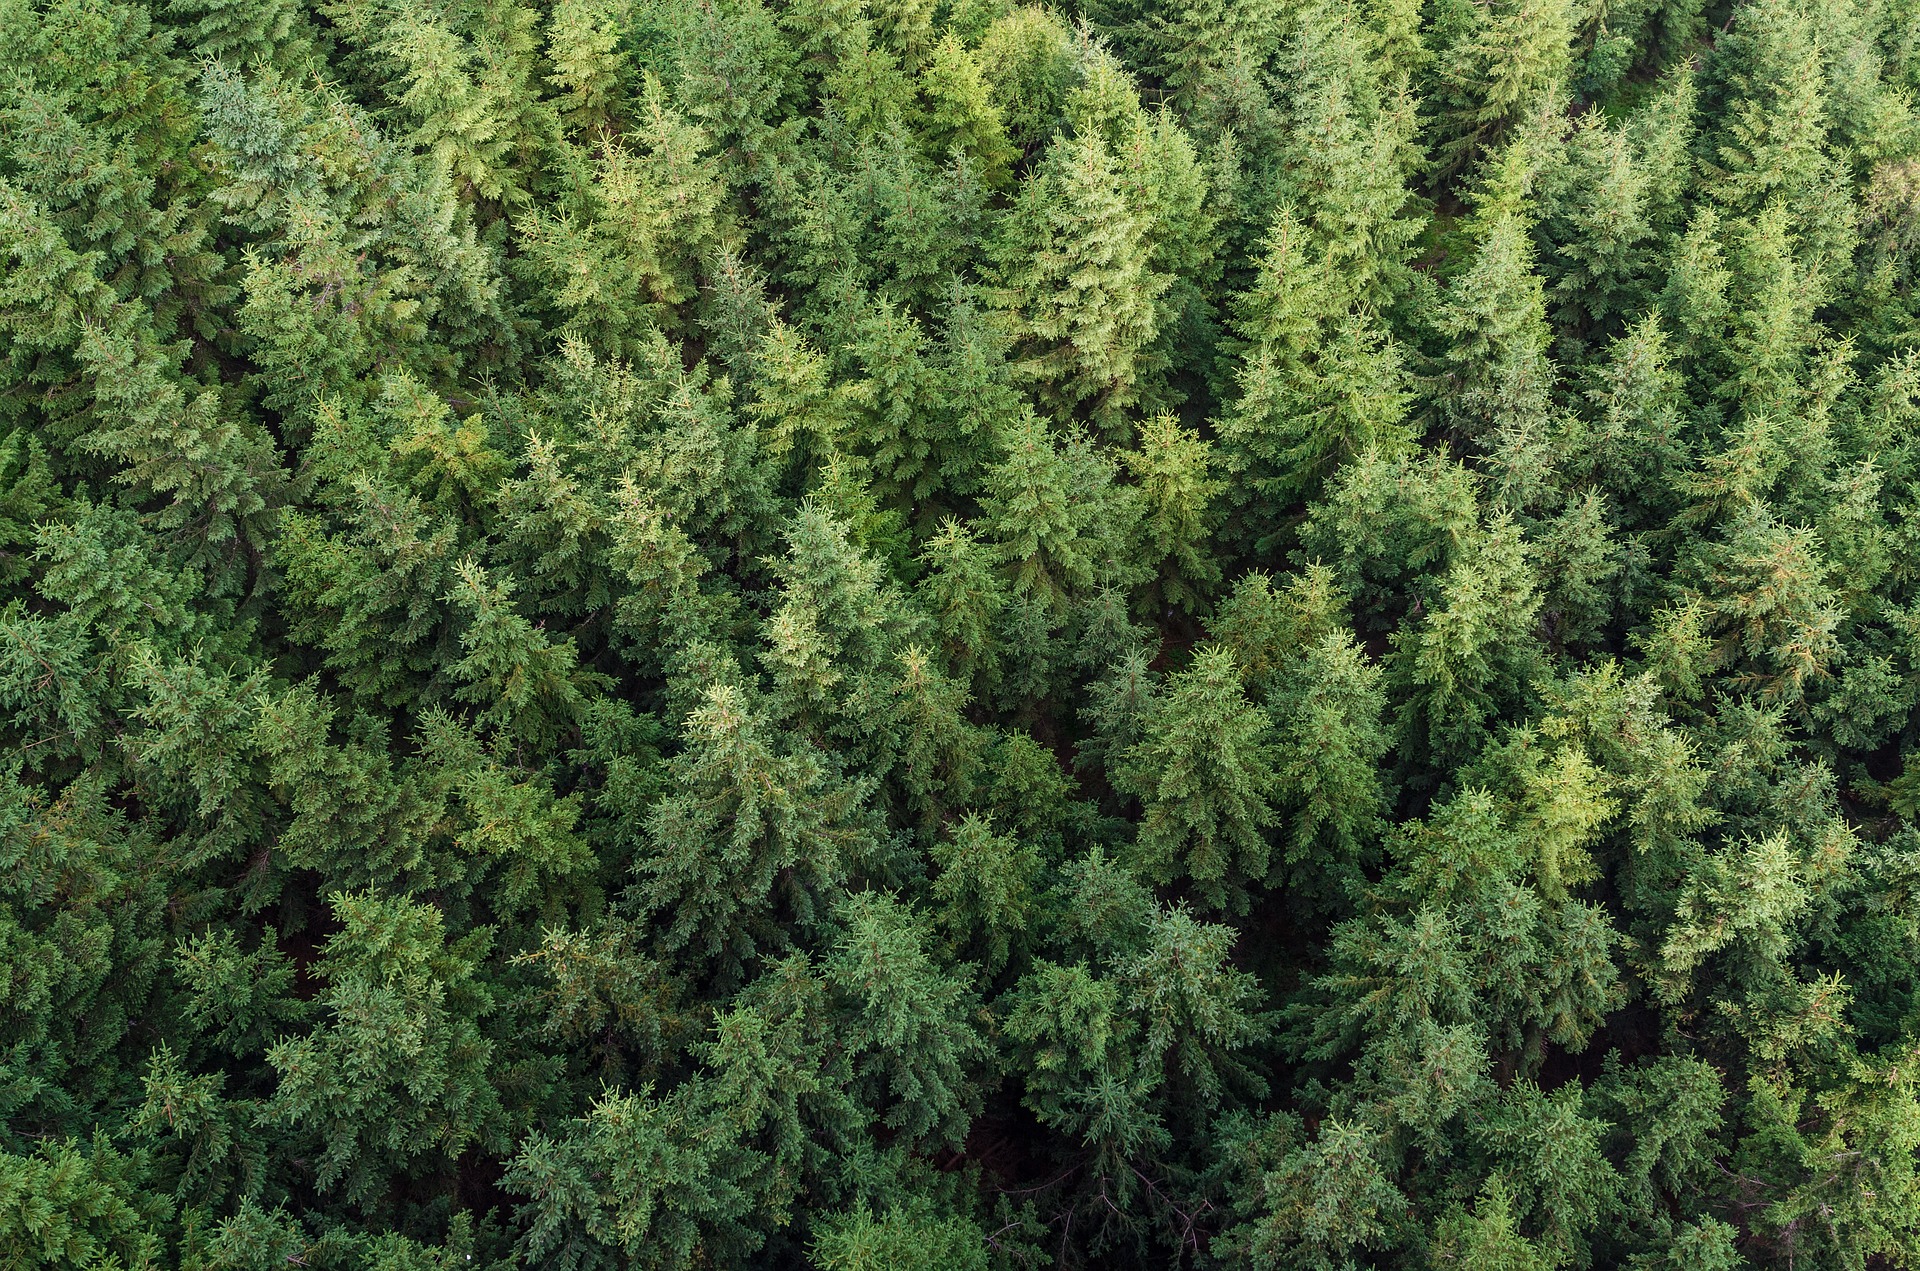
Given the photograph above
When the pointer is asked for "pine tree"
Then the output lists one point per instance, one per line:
(1027, 54)
(554, 533)
(1500, 66)
(655, 1179)
(894, 413)
(72, 1205)
(360, 242)
(468, 94)
(1478, 636)
(867, 86)
(1328, 705)
(1775, 128)
(1633, 441)
(1348, 153)
(1597, 216)
(898, 1239)
(1191, 49)
(986, 888)
(755, 837)
(1317, 1200)
(1196, 1012)
(343, 798)
(1486, 1237)
(937, 752)
(1767, 597)
(583, 43)
(1203, 774)
(525, 684)
(217, 474)
(964, 596)
(1075, 260)
(242, 33)
(1388, 520)
(400, 1068)
(730, 70)
(1773, 329)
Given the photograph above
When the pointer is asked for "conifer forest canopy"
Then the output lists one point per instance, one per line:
(947, 635)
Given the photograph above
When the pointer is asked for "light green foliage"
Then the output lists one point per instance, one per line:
(1327, 1198)
(72, 1206)
(463, 82)
(1327, 703)
(1486, 1237)
(1473, 644)
(1027, 56)
(1495, 323)
(1347, 146)
(640, 212)
(1030, 508)
(242, 33)
(960, 111)
(1318, 383)
(1173, 472)
(583, 43)
(1079, 278)
(898, 1240)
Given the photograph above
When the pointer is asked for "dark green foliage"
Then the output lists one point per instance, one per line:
(867, 634)
(397, 1068)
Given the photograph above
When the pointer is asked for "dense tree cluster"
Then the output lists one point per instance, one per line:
(856, 634)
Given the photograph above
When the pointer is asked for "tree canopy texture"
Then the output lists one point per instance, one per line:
(939, 635)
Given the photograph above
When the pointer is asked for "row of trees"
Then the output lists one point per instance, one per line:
(934, 634)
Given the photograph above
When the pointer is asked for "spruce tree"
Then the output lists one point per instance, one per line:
(1319, 382)
(878, 633)
(1077, 269)
(1203, 773)
(398, 1067)
(754, 838)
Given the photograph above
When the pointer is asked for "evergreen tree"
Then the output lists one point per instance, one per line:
(1203, 773)
(399, 1068)
(1477, 639)
(1319, 383)
(1349, 150)
(892, 633)
(1496, 67)
(583, 43)
(642, 217)
(1495, 324)
(242, 33)
(755, 836)
(1027, 54)
(1599, 222)
(1076, 262)
(1172, 468)
(1030, 507)
(959, 113)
